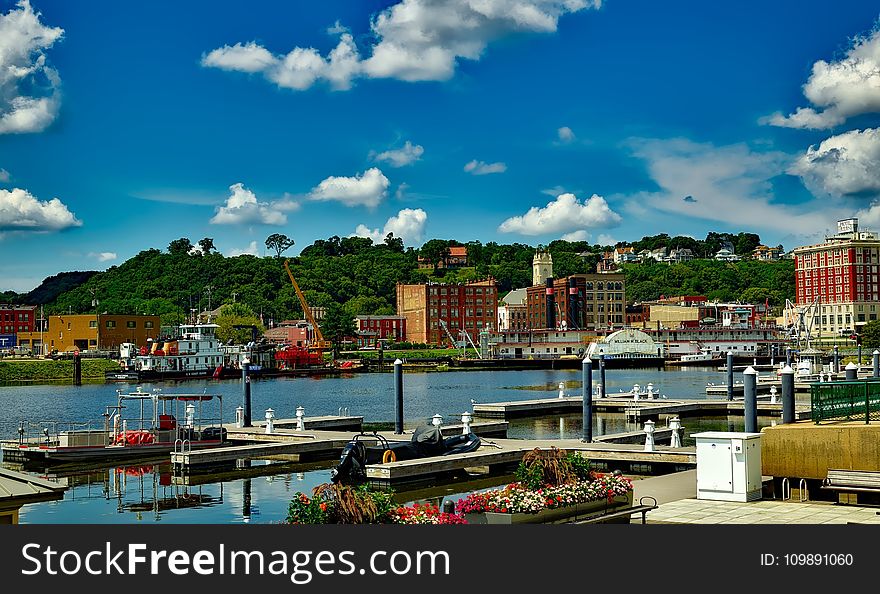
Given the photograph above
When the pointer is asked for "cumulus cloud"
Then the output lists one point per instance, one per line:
(480, 168)
(839, 89)
(366, 189)
(565, 134)
(250, 250)
(409, 153)
(408, 224)
(103, 256)
(730, 182)
(844, 165)
(20, 211)
(579, 235)
(604, 239)
(565, 214)
(242, 207)
(415, 40)
(29, 87)
(4, 176)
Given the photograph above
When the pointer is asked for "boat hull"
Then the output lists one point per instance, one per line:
(13, 452)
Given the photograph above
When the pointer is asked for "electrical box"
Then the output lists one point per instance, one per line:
(728, 466)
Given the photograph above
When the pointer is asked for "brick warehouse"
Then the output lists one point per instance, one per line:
(82, 332)
(471, 307)
(371, 329)
(578, 302)
(15, 319)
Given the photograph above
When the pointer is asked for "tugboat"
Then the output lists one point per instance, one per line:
(140, 425)
(197, 353)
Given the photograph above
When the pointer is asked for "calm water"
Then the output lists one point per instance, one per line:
(147, 493)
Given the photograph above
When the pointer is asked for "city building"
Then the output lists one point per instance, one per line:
(436, 311)
(69, 332)
(839, 277)
(372, 329)
(579, 301)
(456, 257)
(15, 319)
(726, 255)
(606, 264)
(680, 255)
(542, 267)
(767, 254)
(513, 313)
(624, 255)
(294, 332)
(637, 314)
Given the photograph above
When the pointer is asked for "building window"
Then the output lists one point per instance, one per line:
(111, 323)
(131, 324)
(148, 324)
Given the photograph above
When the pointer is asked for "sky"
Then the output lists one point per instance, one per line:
(125, 125)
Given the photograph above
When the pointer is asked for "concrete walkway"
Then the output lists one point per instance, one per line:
(694, 511)
(667, 488)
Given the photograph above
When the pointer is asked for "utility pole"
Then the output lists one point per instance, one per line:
(208, 290)
(95, 304)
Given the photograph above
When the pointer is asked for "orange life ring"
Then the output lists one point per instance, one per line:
(389, 456)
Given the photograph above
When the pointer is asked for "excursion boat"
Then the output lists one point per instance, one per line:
(197, 353)
(140, 425)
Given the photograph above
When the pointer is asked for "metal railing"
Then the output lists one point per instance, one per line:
(850, 401)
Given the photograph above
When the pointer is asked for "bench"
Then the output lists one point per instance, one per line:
(852, 481)
(642, 508)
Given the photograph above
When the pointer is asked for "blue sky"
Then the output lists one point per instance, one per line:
(499, 120)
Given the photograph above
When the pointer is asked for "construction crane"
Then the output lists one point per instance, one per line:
(319, 343)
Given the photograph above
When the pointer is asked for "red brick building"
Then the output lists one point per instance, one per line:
(371, 329)
(15, 319)
(841, 277)
(578, 302)
(470, 307)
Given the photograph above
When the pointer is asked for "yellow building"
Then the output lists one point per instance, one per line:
(69, 332)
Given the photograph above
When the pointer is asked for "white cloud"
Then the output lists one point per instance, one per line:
(242, 207)
(480, 168)
(409, 153)
(605, 239)
(565, 214)
(366, 189)
(4, 176)
(415, 40)
(579, 235)
(840, 89)
(20, 211)
(727, 183)
(565, 134)
(846, 164)
(408, 224)
(103, 256)
(29, 88)
(250, 250)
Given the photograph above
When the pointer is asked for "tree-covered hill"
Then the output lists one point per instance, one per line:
(49, 289)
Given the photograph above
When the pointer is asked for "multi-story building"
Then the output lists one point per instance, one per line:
(726, 255)
(580, 301)
(15, 319)
(456, 257)
(82, 332)
(767, 254)
(606, 264)
(542, 267)
(637, 314)
(294, 332)
(372, 329)
(513, 313)
(468, 307)
(840, 277)
(624, 255)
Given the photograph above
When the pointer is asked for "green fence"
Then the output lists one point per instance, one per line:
(854, 400)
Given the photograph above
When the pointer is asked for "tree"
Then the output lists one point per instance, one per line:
(870, 335)
(279, 243)
(237, 314)
(180, 246)
(337, 325)
(394, 243)
(435, 251)
(746, 243)
(207, 244)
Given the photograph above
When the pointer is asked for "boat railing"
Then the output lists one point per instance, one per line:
(48, 433)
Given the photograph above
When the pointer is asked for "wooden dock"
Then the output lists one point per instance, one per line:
(641, 408)
(325, 423)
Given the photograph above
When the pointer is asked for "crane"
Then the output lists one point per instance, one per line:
(319, 344)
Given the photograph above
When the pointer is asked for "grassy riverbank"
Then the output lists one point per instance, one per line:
(407, 354)
(39, 370)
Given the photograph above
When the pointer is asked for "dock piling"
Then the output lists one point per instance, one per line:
(730, 375)
(750, 400)
(876, 363)
(836, 367)
(587, 393)
(77, 369)
(788, 356)
(602, 390)
(398, 396)
(851, 371)
(788, 395)
(246, 392)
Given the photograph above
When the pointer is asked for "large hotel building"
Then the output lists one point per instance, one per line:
(840, 279)
(469, 307)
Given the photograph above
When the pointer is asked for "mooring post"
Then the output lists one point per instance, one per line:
(836, 367)
(246, 392)
(787, 395)
(649, 435)
(750, 400)
(851, 371)
(876, 363)
(77, 369)
(602, 389)
(675, 426)
(562, 389)
(270, 421)
(398, 396)
(729, 375)
(587, 391)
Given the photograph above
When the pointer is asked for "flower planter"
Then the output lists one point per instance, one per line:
(559, 515)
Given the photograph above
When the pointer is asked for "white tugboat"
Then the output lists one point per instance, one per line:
(197, 353)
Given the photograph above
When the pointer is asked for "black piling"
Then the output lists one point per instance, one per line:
(77, 369)
(398, 396)
(787, 395)
(750, 400)
(587, 392)
(246, 393)
(729, 375)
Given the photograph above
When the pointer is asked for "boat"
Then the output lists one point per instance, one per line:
(427, 441)
(703, 357)
(196, 353)
(140, 425)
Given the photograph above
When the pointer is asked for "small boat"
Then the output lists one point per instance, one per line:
(427, 441)
(140, 425)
